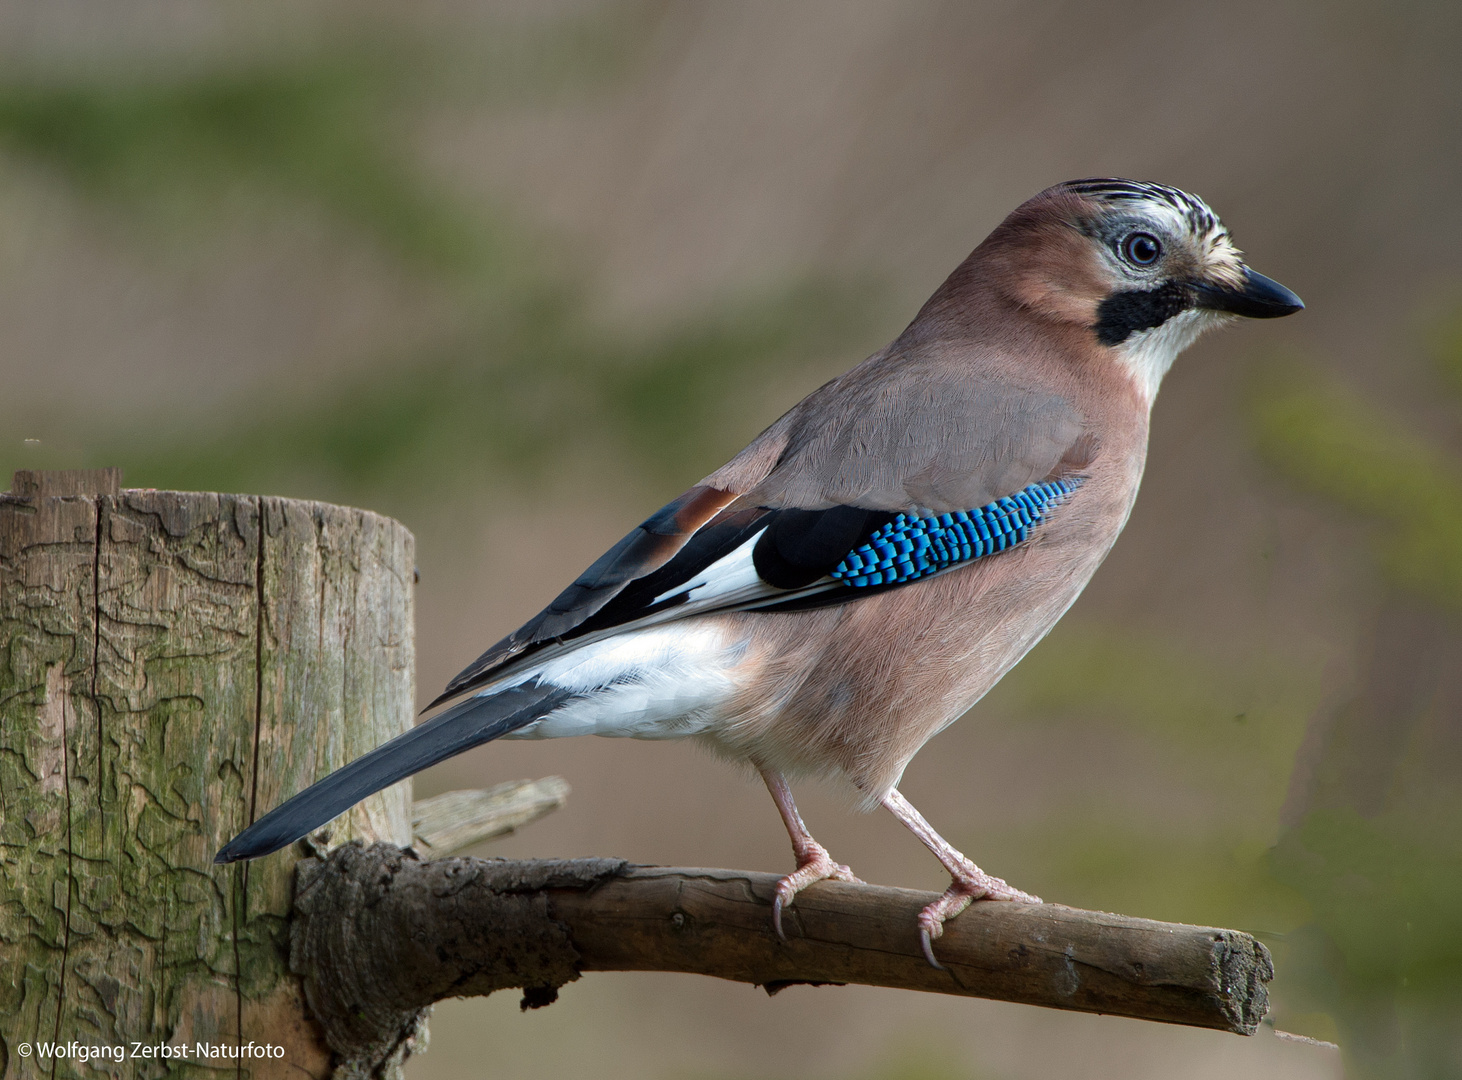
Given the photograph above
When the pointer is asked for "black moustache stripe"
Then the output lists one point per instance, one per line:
(1123, 314)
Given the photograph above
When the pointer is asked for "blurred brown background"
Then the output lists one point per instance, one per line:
(518, 272)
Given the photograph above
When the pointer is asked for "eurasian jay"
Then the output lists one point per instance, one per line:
(871, 564)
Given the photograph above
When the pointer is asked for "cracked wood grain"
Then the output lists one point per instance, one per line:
(458, 927)
(170, 662)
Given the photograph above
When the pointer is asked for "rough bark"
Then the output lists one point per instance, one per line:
(459, 927)
(172, 664)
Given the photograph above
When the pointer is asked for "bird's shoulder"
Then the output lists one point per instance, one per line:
(947, 426)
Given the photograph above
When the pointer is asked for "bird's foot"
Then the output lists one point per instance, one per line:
(813, 864)
(969, 885)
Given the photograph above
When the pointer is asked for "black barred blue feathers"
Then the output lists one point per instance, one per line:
(908, 548)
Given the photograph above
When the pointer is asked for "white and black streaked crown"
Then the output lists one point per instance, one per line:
(1115, 191)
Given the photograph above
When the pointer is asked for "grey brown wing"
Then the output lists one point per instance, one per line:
(936, 440)
(824, 480)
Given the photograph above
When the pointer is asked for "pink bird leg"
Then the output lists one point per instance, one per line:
(813, 862)
(969, 883)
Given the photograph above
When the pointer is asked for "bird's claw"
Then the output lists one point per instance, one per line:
(777, 914)
(812, 866)
(971, 885)
(926, 940)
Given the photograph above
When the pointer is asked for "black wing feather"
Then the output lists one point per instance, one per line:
(715, 541)
(802, 546)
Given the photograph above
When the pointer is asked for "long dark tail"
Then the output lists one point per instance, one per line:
(465, 725)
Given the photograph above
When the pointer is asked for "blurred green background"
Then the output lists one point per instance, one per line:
(517, 273)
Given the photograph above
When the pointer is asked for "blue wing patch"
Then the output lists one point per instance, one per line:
(908, 547)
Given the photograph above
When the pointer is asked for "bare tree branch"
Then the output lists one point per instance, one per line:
(447, 823)
(379, 935)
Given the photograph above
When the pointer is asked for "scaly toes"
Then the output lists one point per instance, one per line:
(955, 899)
(842, 873)
(963, 891)
(819, 866)
(999, 890)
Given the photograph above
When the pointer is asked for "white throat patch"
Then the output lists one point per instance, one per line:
(1147, 354)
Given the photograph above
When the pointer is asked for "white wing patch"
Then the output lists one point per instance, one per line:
(727, 582)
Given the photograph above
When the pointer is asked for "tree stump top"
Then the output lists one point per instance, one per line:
(65, 483)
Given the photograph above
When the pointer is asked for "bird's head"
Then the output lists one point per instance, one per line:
(1141, 268)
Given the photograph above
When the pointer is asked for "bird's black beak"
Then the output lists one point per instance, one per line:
(1258, 298)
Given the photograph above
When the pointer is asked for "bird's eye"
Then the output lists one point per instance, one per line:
(1141, 249)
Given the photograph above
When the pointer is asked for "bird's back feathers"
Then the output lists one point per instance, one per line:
(928, 431)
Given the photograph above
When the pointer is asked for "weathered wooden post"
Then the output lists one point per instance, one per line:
(172, 664)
